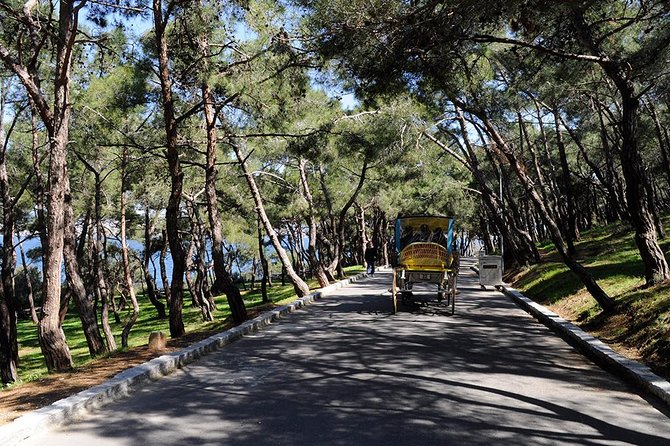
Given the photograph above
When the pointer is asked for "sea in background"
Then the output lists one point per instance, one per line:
(32, 243)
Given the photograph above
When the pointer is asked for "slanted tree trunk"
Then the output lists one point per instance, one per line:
(570, 198)
(299, 285)
(613, 177)
(615, 203)
(520, 242)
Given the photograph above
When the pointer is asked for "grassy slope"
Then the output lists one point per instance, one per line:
(639, 327)
(32, 364)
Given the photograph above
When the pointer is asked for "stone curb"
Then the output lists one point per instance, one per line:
(121, 385)
(635, 372)
(638, 374)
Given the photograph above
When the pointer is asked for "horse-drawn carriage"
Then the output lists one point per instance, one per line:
(424, 254)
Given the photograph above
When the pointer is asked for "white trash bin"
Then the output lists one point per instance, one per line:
(490, 271)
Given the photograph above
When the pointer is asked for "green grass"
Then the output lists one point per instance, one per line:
(32, 362)
(641, 319)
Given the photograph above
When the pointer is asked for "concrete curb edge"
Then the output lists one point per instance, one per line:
(635, 372)
(125, 382)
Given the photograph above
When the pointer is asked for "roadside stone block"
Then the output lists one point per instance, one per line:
(157, 341)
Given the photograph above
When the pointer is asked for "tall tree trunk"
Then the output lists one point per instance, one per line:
(57, 120)
(8, 364)
(640, 202)
(161, 261)
(343, 215)
(9, 347)
(125, 258)
(572, 231)
(662, 142)
(82, 299)
(195, 262)
(176, 175)
(314, 263)
(106, 298)
(584, 276)
(299, 285)
(196, 302)
(29, 285)
(264, 263)
(201, 279)
(222, 280)
(50, 333)
(362, 235)
(148, 279)
(331, 231)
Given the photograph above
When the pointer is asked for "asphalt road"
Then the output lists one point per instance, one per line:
(344, 371)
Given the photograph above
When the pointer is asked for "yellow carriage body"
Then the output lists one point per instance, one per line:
(424, 256)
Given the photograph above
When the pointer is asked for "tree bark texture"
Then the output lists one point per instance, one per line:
(176, 175)
(314, 263)
(29, 285)
(56, 121)
(584, 276)
(150, 284)
(640, 202)
(9, 347)
(222, 280)
(82, 299)
(125, 258)
(264, 263)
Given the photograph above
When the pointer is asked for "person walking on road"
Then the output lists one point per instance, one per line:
(370, 258)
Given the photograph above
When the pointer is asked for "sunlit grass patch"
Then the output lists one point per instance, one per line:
(32, 366)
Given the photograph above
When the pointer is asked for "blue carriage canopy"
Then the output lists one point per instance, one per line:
(426, 229)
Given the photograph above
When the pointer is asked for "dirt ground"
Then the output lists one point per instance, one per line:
(29, 396)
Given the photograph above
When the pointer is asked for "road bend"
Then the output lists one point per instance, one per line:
(345, 371)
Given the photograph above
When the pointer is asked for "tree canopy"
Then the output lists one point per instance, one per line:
(194, 135)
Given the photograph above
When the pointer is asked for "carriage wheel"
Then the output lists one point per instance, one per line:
(452, 292)
(394, 294)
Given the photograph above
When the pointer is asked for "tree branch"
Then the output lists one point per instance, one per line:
(514, 42)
